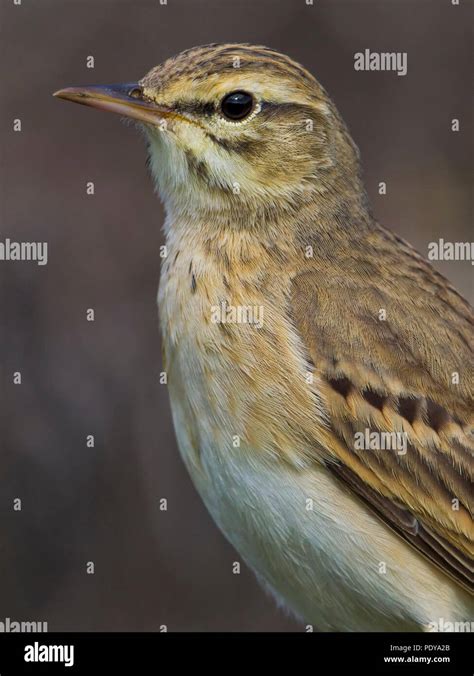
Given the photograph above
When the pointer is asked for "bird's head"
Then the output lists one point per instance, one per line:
(233, 128)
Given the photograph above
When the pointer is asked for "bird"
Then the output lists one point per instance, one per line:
(319, 368)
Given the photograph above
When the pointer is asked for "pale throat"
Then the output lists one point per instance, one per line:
(231, 198)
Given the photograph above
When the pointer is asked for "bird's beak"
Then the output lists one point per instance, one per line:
(124, 99)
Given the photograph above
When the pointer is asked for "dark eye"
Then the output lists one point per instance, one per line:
(237, 106)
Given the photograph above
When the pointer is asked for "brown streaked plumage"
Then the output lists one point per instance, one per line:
(359, 335)
(409, 357)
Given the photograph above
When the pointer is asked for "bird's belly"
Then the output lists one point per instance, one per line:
(320, 552)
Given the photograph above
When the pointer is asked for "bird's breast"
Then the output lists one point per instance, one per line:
(237, 377)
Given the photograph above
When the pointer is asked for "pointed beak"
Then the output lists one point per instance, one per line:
(123, 99)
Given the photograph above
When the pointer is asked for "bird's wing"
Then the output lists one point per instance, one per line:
(392, 348)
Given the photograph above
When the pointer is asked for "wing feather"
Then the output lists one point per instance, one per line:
(393, 351)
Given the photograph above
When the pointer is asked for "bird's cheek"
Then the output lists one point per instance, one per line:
(190, 136)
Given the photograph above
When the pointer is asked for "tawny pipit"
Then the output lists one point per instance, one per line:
(331, 440)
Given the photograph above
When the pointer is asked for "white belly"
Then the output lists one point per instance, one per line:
(334, 564)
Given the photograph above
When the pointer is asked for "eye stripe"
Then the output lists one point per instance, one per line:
(207, 108)
(196, 107)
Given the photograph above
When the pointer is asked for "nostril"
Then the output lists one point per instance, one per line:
(136, 93)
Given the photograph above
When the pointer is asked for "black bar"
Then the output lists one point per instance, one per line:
(319, 654)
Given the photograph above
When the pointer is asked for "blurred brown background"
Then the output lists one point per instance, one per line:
(101, 504)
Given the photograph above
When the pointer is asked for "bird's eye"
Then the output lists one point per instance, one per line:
(237, 106)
